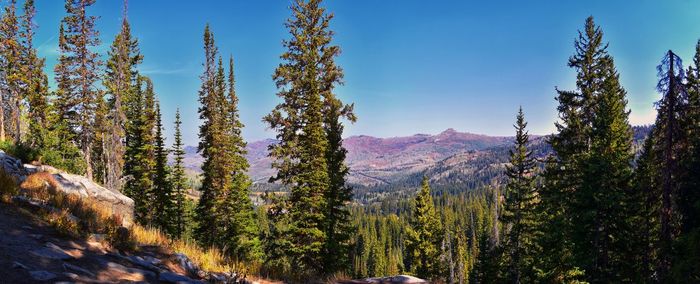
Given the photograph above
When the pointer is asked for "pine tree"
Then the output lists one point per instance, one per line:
(36, 83)
(306, 80)
(76, 74)
(140, 150)
(519, 215)
(645, 204)
(11, 51)
(338, 195)
(119, 82)
(608, 173)
(425, 236)
(686, 262)
(163, 195)
(671, 143)
(178, 179)
(212, 183)
(225, 212)
(592, 119)
(237, 212)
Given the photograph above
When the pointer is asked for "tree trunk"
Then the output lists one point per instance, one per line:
(2, 117)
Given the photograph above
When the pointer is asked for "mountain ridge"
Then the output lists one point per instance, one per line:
(374, 160)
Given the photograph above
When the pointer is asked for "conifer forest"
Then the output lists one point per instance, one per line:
(596, 200)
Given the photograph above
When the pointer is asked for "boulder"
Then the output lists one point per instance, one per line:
(169, 277)
(51, 251)
(187, 264)
(12, 166)
(118, 203)
(41, 275)
(73, 184)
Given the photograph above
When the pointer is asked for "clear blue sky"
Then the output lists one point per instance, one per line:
(410, 66)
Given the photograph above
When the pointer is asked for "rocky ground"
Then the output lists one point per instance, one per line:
(33, 252)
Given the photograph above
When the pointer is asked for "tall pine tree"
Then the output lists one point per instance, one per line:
(76, 74)
(671, 145)
(178, 180)
(163, 195)
(519, 216)
(140, 150)
(120, 83)
(237, 213)
(307, 159)
(12, 76)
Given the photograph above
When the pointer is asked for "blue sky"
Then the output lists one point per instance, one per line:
(410, 66)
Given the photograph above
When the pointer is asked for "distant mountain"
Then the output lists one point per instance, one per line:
(375, 160)
(453, 160)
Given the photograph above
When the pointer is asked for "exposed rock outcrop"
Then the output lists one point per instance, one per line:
(118, 203)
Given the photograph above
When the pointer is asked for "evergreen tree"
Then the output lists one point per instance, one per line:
(240, 236)
(645, 204)
(163, 195)
(178, 179)
(212, 182)
(686, 262)
(519, 215)
(307, 76)
(225, 212)
(36, 85)
(608, 173)
(63, 105)
(119, 82)
(76, 73)
(140, 151)
(11, 54)
(425, 237)
(671, 142)
(338, 195)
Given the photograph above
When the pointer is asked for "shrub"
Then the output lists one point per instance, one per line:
(8, 185)
(20, 151)
(64, 223)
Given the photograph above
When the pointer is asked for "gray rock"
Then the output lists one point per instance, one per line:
(35, 236)
(12, 166)
(169, 277)
(18, 265)
(187, 264)
(77, 269)
(124, 269)
(26, 227)
(118, 203)
(51, 251)
(42, 275)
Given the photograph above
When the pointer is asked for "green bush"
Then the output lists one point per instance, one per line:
(20, 151)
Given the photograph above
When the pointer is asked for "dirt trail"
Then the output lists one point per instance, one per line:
(30, 250)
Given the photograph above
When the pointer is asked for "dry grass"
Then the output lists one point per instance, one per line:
(8, 186)
(98, 219)
(93, 218)
(40, 181)
(207, 259)
(64, 223)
